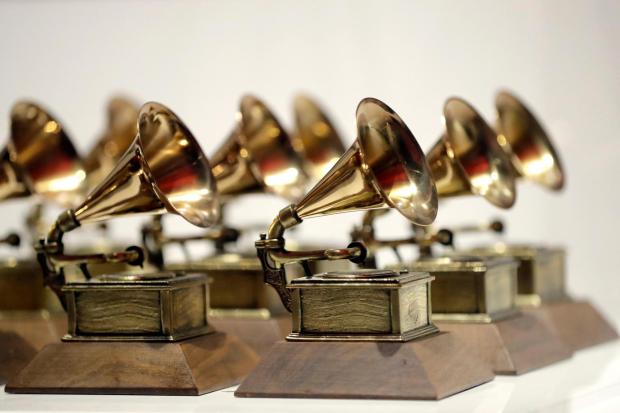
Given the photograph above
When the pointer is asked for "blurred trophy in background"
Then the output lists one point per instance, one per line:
(541, 275)
(130, 333)
(38, 162)
(361, 333)
(475, 296)
(257, 157)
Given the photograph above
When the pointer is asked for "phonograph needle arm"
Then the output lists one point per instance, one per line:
(273, 256)
(51, 256)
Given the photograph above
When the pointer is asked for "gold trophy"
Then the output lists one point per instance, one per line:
(257, 157)
(364, 333)
(474, 297)
(541, 278)
(40, 162)
(137, 333)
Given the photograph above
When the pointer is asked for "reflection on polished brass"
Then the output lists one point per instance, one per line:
(527, 144)
(471, 289)
(41, 149)
(362, 306)
(164, 170)
(315, 138)
(467, 159)
(121, 129)
(541, 274)
(158, 307)
(385, 167)
(258, 156)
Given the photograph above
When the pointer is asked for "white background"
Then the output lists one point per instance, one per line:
(199, 58)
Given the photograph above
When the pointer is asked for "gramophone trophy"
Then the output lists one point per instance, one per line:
(364, 333)
(41, 163)
(257, 157)
(541, 278)
(137, 333)
(474, 297)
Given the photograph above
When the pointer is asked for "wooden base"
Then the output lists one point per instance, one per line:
(431, 368)
(578, 323)
(512, 346)
(191, 367)
(23, 334)
(259, 334)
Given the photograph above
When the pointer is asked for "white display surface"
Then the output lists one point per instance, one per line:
(589, 382)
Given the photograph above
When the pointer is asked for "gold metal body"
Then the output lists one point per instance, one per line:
(157, 307)
(541, 273)
(471, 289)
(362, 306)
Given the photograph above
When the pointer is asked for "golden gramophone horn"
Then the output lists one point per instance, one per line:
(315, 138)
(163, 170)
(121, 129)
(384, 167)
(13, 183)
(39, 146)
(526, 143)
(258, 156)
(467, 159)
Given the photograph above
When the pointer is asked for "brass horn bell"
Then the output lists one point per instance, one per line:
(258, 156)
(121, 129)
(163, 170)
(384, 168)
(315, 138)
(467, 159)
(526, 143)
(40, 158)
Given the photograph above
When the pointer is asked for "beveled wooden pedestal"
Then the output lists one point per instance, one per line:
(431, 368)
(578, 323)
(514, 345)
(191, 367)
(23, 334)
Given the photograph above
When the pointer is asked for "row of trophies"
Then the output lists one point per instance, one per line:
(139, 323)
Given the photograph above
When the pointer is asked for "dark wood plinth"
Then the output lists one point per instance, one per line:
(512, 346)
(259, 334)
(23, 334)
(578, 323)
(432, 368)
(191, 367)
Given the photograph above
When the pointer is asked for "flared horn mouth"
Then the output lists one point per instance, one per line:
(525, 141)
(180, 171)
(43, 151)
(392, 155)
(315, 138)
(270, 149)
(472, 145)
